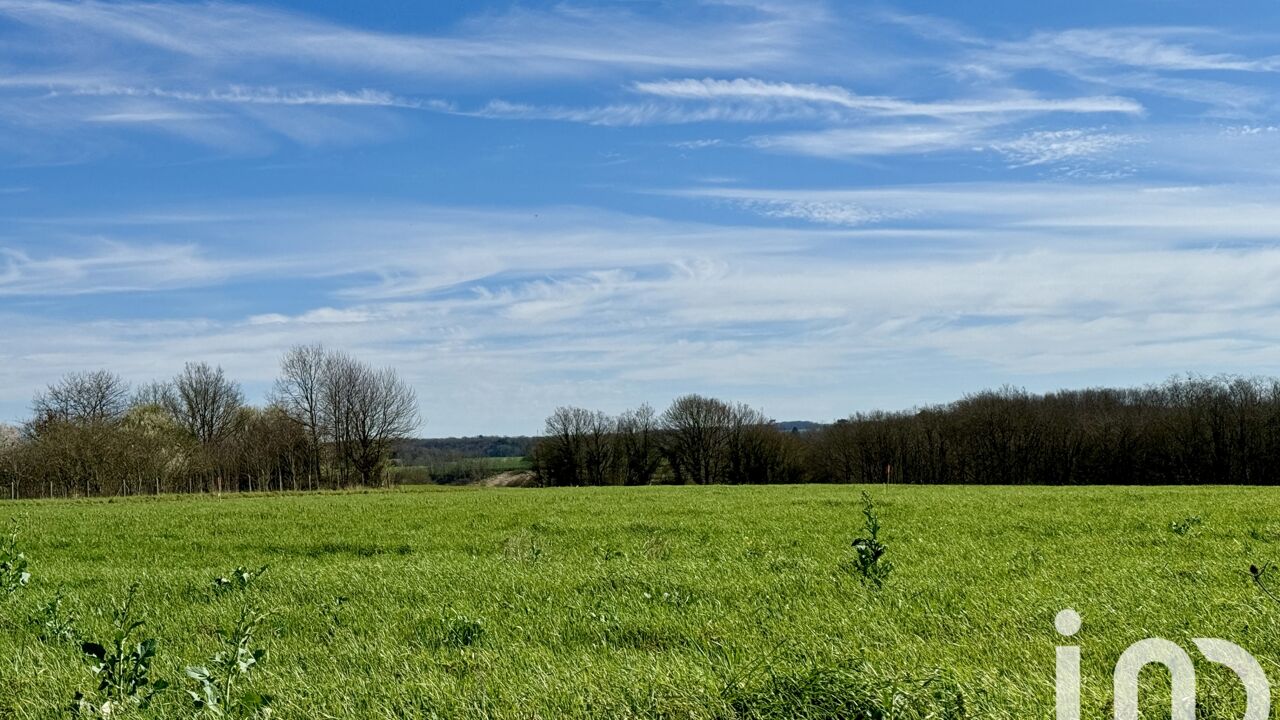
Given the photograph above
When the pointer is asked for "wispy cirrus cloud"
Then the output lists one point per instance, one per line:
(70, 61)
(564, 40)
(877, 140)
(1056, 146)
(1151, 48)
(837, 213)
(751, 89)
(647, 113)
(106, 267)
(749, 100)
(239, 95)
(1166, 216)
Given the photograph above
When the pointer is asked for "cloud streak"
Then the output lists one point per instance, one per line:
(563, 41)
(1151, 48)
(750, 89)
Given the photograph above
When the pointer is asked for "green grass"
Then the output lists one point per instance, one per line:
(710, 602)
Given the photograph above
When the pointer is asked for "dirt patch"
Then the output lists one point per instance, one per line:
(521, 478)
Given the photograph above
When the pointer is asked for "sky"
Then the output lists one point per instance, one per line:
(815, 208)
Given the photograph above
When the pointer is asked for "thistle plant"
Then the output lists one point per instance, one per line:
(869, 561)
(13, 565)
(54, 623)
(122, 666)
(238, 579)
(220, 686)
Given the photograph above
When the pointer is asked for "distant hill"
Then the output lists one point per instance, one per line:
(797, 426)
(424, 451)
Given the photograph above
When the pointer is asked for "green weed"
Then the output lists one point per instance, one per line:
(220, 687)
(238, 579)
(451, 631)
(14, 574)
(54, 623)
(122, 666)
(869, 561)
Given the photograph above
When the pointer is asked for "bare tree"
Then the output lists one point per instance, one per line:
(698, 433)
(155, 394)
(299, 393)
(89, 437)
(353, 409)
(598, 450)
(83, 397)
(638, 451)
(281, 448)
(73, 425)
(339, 376)
(753, 447)
(560, 459)
(382, 409)
(206, 402)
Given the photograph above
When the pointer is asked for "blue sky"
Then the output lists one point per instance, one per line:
(815, 208)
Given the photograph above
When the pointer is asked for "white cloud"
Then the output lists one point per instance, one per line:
(633, 114)
(202, 69)
(758, 101)
(107, 267)
(876, 140)
(563, 41)
(267, 96)
(993, 214)
(148, 116)
(1054, 146)
(750, 89)
(1165, 61)
(1152, 48)
(698, 144)
(785, 322)
(820, 212)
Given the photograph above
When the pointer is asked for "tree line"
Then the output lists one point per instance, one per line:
(330, 422)
(697, 440)
(333, 421)
(1188, 430)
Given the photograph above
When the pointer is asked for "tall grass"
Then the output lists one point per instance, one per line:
(688, 602)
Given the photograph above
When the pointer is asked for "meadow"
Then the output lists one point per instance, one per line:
(647, 602)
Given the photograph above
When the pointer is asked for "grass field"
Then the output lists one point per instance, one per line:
(703, 602)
